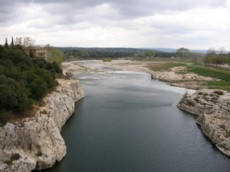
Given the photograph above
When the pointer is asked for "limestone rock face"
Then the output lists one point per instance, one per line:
(212, 109)
(35, 142)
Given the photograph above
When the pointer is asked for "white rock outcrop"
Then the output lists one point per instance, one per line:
(35, 142)
(212, 109)
(177, 74)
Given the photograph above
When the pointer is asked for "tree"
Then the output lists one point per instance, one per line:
(38, 88)
(210, 56)
(55, 55)
(31, 53)
(7, 97)
(83, 54)
(12, 43)
(3, 52)
(150, 54)
(6, 44)
(221, 51)
(10, 99)
(228, 59)
(183, 52)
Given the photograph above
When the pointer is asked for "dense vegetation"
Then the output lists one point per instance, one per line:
(24, 80)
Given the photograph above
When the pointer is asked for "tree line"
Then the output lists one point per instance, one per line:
(210, 57)
(24, 80)
(114, 53)
(214, 57)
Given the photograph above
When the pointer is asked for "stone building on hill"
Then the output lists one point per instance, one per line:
(38, 51)
(29, 46)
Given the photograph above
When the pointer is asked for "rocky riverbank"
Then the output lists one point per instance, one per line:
(211, 106)
(35, 142)
(213, 115)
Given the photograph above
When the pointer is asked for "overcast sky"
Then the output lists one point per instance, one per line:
(194, 24)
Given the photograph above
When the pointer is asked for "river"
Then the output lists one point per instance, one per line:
(130, 123)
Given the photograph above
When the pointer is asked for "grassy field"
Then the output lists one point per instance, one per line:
(210, 72)
(223, 75)
(202, 70)
(166, 66)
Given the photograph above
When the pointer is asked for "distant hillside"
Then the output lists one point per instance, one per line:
(199, 51)
(173, 50)
(99, 53)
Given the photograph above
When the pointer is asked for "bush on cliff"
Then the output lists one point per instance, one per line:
(23, 80)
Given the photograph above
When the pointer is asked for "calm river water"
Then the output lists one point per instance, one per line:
(130, 123)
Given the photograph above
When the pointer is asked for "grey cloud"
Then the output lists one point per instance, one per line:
(10, 10)
(10, 6)
(133, 19)
(174, 4)
(136, 7)
(128, 9)
(75, 11)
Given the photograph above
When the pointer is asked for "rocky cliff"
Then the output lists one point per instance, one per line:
(212, 109)
(35, 142)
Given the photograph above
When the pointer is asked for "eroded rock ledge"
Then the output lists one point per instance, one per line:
(177, 77)
(36, 142)
(212, 109)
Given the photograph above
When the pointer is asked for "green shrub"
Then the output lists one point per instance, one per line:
(39, 152)
(107, 59)
(5, 116)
